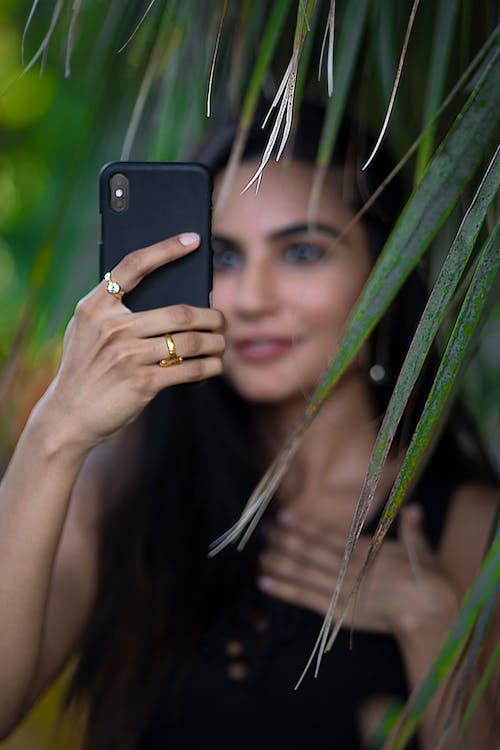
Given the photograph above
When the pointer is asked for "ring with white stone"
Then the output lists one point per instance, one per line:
(112, 286)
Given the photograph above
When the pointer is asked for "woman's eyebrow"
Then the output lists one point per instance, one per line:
(302, 228)
(279, 234)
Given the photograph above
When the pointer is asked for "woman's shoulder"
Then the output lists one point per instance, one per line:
(472, 510)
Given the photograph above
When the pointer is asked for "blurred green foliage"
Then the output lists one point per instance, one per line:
(57, 131)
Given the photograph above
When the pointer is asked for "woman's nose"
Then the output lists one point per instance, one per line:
(257, 292)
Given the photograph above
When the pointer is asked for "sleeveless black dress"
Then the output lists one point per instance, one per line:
(240, 691)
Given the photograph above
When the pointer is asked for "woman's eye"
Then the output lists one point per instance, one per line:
(303, 252)
(226, 260)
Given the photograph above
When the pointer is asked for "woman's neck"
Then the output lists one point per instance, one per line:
(337, 447)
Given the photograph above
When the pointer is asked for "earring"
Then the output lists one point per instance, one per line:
(377, 372)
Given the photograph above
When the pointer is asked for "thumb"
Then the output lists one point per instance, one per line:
(411, 532)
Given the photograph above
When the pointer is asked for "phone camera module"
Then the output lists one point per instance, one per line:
(119, 192)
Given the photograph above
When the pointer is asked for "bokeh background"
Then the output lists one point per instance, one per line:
(56, 130)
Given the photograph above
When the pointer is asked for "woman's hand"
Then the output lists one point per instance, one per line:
(404, 587)
(109, 369)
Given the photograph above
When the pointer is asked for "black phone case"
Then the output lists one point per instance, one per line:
(165, 198)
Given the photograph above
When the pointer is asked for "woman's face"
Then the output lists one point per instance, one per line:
(286, 292)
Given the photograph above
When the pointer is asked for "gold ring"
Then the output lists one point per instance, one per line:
(173, 357)
(112, 286)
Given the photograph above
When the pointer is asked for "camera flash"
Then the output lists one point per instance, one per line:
(119, 192)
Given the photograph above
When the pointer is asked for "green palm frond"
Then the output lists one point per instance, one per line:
(451, 168)
(392, 98)
(285, 93)
(270, 39)
(437, 307)
(173, 61)
(437, 401)
(484, 593)
(446, 19)
(346, 58)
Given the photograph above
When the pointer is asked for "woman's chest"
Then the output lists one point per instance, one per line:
(333, 504)
(242, 683)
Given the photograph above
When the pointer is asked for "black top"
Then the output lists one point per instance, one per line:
(240, 690)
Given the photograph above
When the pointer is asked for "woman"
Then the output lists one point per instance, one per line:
(103, 542)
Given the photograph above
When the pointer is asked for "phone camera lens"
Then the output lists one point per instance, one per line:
(119, 192)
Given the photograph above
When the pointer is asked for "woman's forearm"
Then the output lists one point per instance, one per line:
(34, 498)
(420, 643)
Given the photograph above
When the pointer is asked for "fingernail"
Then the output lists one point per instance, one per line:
(285, 516)
(189, 238)
(414, 512)
(264, 582)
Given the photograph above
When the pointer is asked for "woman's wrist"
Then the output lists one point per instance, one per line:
(55, 431)
(431, 622)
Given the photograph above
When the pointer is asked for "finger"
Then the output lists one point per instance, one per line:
(313, 530)
(305, 572)
(188, 344)
(411, 535)
(294, 593)
(410, 527)
(190, 371)
(139, 263)
(299, 547)
(176, 318)
(315, 567)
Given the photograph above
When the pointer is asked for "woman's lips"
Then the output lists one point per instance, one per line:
(262, 350)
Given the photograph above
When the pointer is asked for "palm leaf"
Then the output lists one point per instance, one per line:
(483, 592)
(330, 35)
(454, 163)
(346, 58)
(304, 64)
(142, 97)
(165, 44)
(459, 85)
(285, 93)
(478, 692)
(430, 422)
(44, 257)
(348, 45)
(214, 59)
(431, 320)
(137, 26)
(77, 6)
(446, 18)
(472, 646)
(26, 27)
(182, 89)
(273, 30)
(392, 98)
(464, 661)
(383, 34)
(48, 36)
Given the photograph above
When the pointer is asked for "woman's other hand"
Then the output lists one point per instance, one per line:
(109, 369)
(405, 586)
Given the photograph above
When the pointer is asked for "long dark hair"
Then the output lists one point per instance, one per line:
(198, 462)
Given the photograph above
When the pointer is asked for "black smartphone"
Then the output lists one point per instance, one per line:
(144, 202)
